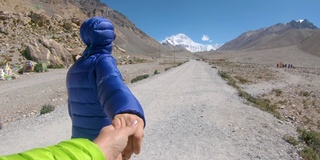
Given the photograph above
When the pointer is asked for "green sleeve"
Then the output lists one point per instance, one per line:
(73, 149)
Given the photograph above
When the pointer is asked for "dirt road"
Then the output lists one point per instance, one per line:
(191, 114)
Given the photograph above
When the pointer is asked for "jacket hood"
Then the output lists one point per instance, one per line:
(98, 34)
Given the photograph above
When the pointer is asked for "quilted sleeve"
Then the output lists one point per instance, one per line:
(66, 150)
(113, 93)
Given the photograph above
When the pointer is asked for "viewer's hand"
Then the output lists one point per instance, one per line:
(112, 142)
(135, 141)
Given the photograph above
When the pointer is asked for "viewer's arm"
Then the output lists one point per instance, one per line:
(109, 143)
(66, 150)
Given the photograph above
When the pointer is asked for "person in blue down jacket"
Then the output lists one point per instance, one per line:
(97, 95)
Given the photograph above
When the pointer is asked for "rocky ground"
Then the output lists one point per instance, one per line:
(24, 97)
(191, 112)
(295, 91)
(35, 36)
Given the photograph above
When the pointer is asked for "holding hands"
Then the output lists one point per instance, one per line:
(109, 144)
(112, 142)
(134, 141)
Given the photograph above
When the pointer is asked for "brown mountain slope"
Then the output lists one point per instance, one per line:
(312, 44)
(32, 28)
(129, 37)
(278, 35)
(290, 37)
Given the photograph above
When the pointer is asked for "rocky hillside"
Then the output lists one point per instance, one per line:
(312, 44)
(38, 37)
(48, 31)
(278, 35)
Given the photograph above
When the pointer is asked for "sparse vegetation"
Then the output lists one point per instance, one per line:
(304, 93)
(312, 140)
(309, 154)
(20, 71)
(136, 60)
(224, 75)
(167, 69)
(282, 102)
(242, 80)
(55, 66)
(257, 73)
(138, 78)
(156, 72)
(277, 91)
(301, 102)
(229, 79)
(291, 140)
(47, 109)
(263, 104)
(305, 103)
(179, 64)
(41, 67)
(306, 120)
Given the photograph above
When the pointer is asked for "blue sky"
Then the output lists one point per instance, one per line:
(220, 20)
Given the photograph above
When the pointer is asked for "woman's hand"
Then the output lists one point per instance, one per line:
(113, 141)
(135, 141)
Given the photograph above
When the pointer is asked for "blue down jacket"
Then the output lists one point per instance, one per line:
(96, 91)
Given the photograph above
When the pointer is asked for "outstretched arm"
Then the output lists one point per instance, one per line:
(114, 95)
(109, 144)
(119, 103)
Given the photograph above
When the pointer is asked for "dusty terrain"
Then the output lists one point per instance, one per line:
(191, 114)
(24, 96)
(294, 91)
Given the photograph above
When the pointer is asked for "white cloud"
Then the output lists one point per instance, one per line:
(205, 38)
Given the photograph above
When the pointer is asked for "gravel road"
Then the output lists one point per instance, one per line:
(191, 114)
(23, 97)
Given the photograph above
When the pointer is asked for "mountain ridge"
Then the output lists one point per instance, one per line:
(278, 35)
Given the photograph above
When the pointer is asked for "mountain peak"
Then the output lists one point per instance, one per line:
(300, 20)
(302, 24)
(178, 39)
(183, 41)
(183, 36)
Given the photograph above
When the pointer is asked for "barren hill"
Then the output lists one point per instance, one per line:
(278, 35)
(312, 44)
(32, 28)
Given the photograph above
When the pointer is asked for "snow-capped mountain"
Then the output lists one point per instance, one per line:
(181, 40)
